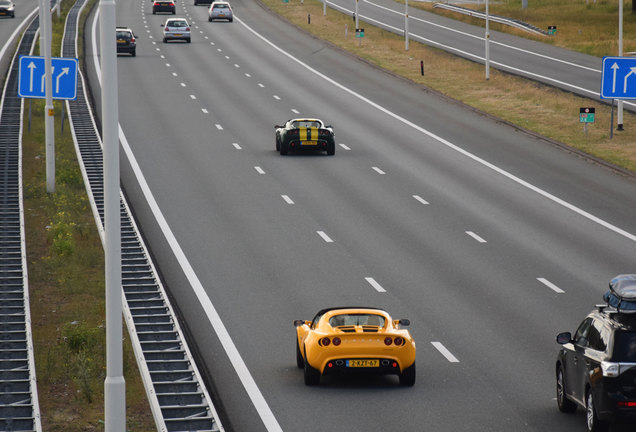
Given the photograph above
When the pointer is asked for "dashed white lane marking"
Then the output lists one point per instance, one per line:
(211, 43)
(236, 65)
(248, 75)
(174, 74)
(324, 236)
(378, 170)
(295, 111)
(550, 285)
(261, 85)
(276, 97)
(344, 146)
(420, 199)
(167, 64)
(204, 110)
(193, 97)
(476, 237)
(219, 49)
(374, 284)
(163, 57)
(445, 352)
(218, 126)
(259, 170)
(237, 146)
(183, 85)
(227, 57)
(287, 199)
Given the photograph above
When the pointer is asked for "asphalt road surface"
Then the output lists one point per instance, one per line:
(489, 240)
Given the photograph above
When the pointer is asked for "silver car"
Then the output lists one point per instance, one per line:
(7, 8)
(220, 10)
(176, 29)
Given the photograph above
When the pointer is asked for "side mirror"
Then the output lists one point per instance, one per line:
(277, 126)
(564, 338)
(403, 322)
(298, 323)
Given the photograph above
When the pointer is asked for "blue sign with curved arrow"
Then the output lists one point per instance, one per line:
(618, 80)
(31, 77)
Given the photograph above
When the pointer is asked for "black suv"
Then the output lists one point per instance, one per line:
(596, 369)
(126, 41)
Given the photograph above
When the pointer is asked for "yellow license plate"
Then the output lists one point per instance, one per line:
(121, 41)
(363, 363)
(178, 34)
(304, 143)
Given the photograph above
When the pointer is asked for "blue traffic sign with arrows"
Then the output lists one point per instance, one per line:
(618, 79)
(31, 77)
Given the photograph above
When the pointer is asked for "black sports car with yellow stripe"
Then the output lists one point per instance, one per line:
(305, 133)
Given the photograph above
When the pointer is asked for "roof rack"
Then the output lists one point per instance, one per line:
(622, 293)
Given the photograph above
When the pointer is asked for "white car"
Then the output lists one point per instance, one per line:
(7, 8)
(176, 29)
(220, 10)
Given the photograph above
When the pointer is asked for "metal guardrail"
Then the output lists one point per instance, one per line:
(495, 18)
(174, 386)
(19, 408)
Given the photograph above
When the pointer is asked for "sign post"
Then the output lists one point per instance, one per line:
(586, 115)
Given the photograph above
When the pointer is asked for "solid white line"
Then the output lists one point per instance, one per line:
(447, 143)
(344, 146)
(374, 284)
(476, 237)
(420, 199)
(378, 170)
(324, 236)
(287, 199)
(251, 388)
(218, 126)
(446, 353)
(237, 146)
(550, 285)
(259, 170)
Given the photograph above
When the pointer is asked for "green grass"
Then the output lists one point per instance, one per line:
(66, 284)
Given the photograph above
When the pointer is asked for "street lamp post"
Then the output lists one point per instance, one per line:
(406, 25)
(620, 54)
(487, 39)
(114, 385)
(49, 112)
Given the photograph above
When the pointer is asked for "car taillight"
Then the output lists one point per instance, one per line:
(624, 404)
(132, 40)
(187, 28)
(336, 341)
(325, 341)
(323, 132)
(398, 341)
(388, 340)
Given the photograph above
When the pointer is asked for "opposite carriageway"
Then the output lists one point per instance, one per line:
(177, 395)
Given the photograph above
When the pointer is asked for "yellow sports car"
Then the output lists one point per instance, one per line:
(355, 339)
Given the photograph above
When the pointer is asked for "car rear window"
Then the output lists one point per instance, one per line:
(625, 347)
(123, 35)
(221, 6)
(177, 24)
(356, 320)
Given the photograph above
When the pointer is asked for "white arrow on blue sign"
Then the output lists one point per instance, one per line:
(31, 77)
(618, 79)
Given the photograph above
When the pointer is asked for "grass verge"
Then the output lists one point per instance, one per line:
(66, 283)
(545, 110)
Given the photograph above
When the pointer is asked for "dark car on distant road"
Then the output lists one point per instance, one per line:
(596, 368)
(164, 6)
(126, 41)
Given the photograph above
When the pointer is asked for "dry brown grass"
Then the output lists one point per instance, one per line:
(542, 109)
